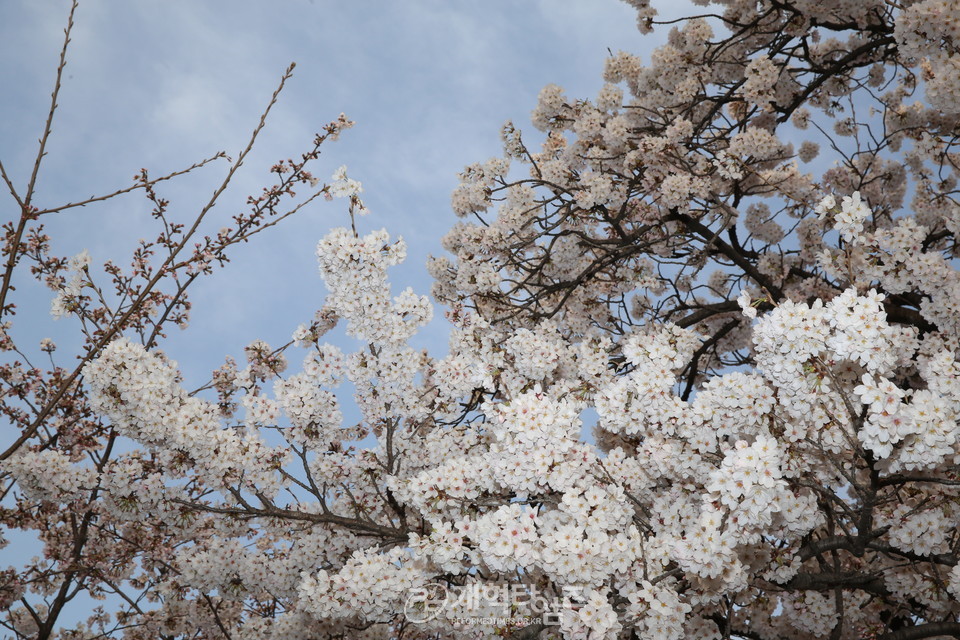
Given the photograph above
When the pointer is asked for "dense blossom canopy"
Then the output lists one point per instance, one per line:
(736, 265)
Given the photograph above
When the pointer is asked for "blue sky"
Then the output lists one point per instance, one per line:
(160, 84)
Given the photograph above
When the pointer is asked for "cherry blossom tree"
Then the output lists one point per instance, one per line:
(51, 425)
(735, 265)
